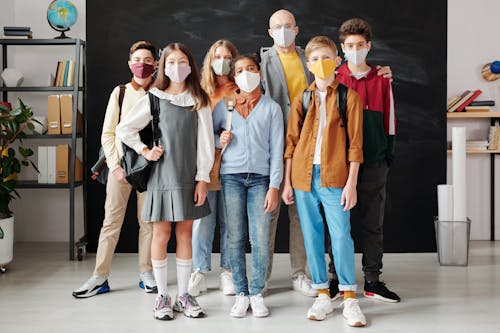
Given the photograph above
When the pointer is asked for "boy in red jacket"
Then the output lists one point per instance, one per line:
(379, 129)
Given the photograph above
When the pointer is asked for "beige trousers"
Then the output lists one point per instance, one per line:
(117, 195)
(298, 259)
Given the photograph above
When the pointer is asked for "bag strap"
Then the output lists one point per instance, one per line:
(154, 101)
(120, 99)
(341, 106)
(230, 102)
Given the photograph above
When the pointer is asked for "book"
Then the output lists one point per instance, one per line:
(451, 101)
(463, 98)
(30, 36)
(482, 103)
(474, 95)
(71, 73)
(17, 33)
(66, 70)
(6, 28)
(477, 109)
(60, 74)
(494, 138)
(42, 164)
(51, 165)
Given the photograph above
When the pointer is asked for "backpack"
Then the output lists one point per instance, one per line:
(341, 106)
(100, 169)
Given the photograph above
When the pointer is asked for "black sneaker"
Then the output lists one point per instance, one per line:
(333, 286)
(378, 290)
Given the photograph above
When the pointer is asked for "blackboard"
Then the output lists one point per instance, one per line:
(409, 36)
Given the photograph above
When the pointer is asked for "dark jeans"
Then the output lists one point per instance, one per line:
(367, 219)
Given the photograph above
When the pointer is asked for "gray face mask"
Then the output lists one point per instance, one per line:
(356, 57)
(221, 66)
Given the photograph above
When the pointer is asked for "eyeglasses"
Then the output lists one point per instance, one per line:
(286, 26)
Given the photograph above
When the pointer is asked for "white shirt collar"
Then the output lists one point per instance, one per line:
(182, 99)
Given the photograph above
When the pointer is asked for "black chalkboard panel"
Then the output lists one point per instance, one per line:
(409, 36)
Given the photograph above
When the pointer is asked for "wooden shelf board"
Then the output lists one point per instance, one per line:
(473, 115)
(478, 151)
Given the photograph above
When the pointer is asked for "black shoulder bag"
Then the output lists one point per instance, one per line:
(136, 167)
(100, 169)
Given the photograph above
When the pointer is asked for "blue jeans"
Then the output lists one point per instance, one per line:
(203, 235)
(244, 195)
(339, 227)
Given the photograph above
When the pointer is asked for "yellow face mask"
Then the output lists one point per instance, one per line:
(323, 68)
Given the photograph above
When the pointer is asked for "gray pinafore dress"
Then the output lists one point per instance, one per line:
(170, 194)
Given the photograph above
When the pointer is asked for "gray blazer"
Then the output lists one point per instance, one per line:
(274, 81)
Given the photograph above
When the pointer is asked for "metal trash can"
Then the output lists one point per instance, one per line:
(452, 240)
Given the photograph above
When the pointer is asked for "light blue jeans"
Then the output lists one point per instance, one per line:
(339, 227)
(244, 195)
(203, 235)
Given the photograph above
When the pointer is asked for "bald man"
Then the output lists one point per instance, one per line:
(284, 76)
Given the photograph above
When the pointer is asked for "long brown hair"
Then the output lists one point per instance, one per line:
(192, 81)
(207, 73)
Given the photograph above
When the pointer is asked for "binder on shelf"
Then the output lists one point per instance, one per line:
(62, 165)
(54, 114)
(66, 71)
(42, 164)
(51, 165)
(71, 73)
(66, 102)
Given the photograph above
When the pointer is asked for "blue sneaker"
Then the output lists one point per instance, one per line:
(94, 286)
(148, 282)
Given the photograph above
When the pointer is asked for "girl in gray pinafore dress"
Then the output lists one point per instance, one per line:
(177, 184)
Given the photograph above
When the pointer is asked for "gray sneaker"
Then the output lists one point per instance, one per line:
(147, 282)
(163, 308)
(189, 306)
(94, 286)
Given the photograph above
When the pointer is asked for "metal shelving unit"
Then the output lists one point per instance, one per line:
(75, 90)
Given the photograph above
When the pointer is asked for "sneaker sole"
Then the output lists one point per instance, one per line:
(101, 290)
(238, 315)
(195, 315)
(164, 318)
(147, 288)
(355, 324)
(260, 315)
(313, 317)
(228, 293)
(369, 294)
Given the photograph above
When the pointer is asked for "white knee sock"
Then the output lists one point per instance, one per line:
(184, 267)
(160, 272)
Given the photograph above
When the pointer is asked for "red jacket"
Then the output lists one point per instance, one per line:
(379, 119)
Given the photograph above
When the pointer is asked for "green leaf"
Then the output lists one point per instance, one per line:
(25, 163)
(3, 108)
(15, 112)
(30, 126)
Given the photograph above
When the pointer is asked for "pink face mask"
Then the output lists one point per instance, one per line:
(142, 70)
(177, 72)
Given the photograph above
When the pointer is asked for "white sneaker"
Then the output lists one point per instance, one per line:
(148, 282)
(93, 286)
(321, 307)
(302, 284)
(240, 307)
(197, 284)
(163, 308)
(189, 306)
(259, 309)
(352, 313)
(226, 283)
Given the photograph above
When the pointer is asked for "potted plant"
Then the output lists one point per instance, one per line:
(12, 124)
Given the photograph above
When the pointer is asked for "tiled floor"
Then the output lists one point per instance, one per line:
(35, 296)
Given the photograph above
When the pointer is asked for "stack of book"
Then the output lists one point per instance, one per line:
(65, 73)
(480, 106)
(17, 32)
(494, 138)
(459, 103)
(476, 144)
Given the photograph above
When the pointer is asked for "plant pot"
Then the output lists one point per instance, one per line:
(7, 243)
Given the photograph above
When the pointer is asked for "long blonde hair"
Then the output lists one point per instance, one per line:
(192, 80)
(207, 73)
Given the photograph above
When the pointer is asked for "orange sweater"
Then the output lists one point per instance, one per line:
(301, 139)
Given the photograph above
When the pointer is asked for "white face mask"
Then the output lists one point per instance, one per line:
(356, 57)
(283, 37)
(247, 81)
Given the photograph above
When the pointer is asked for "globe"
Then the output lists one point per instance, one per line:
(62, 15)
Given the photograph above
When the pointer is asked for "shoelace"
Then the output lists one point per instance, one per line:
(191, 301)
(349, 303)
(162, 302)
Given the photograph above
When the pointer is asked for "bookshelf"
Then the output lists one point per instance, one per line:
(78, 91)
(483, 115)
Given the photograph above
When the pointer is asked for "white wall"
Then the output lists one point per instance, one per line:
(472, 43)
(41, 215)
